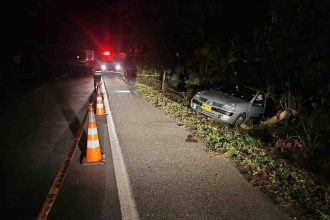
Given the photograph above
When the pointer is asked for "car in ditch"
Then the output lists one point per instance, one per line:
(231, 104)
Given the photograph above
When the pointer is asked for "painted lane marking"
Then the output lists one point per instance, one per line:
(61, 174)
(121, 91)
(126, 199)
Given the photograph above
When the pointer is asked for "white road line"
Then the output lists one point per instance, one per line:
(126, 199)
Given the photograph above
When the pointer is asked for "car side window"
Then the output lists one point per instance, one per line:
(259, 101)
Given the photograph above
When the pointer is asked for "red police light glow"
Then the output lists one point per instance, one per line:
(106, 53)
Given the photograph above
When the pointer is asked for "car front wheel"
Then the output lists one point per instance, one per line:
(239, 120)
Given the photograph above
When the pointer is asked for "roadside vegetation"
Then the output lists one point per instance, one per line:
(279, 47)
(265, 163)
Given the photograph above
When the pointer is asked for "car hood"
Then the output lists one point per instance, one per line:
(220, 97)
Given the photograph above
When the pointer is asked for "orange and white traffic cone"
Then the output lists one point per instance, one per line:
(93, 150)
(99, 104)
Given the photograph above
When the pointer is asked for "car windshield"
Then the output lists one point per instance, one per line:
(238, 92)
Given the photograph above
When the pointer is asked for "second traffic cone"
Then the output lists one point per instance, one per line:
(93, 151)
(99, 104)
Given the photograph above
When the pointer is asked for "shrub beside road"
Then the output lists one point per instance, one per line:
(288, 185)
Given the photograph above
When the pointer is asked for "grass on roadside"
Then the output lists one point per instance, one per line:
(286, 184)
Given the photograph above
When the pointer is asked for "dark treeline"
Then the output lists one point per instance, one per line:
(281, 47)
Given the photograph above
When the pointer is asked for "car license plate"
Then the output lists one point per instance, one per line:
(206, 107)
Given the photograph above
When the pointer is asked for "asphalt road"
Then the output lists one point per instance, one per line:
(161, 174)
(175, 179)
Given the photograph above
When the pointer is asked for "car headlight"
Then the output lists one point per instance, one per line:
(103, 67)
(230, 107)
(118, 67)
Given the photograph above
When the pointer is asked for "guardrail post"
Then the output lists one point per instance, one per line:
(163, 82)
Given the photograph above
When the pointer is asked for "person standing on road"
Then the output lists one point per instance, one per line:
(130, 72)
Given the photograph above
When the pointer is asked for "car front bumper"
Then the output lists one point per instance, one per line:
(222, 115)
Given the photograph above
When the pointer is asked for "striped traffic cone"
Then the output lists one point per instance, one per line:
(93, 151)
(99, 104)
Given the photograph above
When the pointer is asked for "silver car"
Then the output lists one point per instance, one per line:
(231, 104)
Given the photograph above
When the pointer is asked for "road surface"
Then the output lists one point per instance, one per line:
(150, 171)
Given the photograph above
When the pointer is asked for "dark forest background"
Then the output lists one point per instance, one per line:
(281, 47)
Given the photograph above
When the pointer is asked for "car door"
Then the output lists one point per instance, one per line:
(258, 105)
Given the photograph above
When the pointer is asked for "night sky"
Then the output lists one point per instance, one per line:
(38, 30)
(65, 28)
(78, 24)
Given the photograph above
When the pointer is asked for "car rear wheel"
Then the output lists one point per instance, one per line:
(240, 119)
